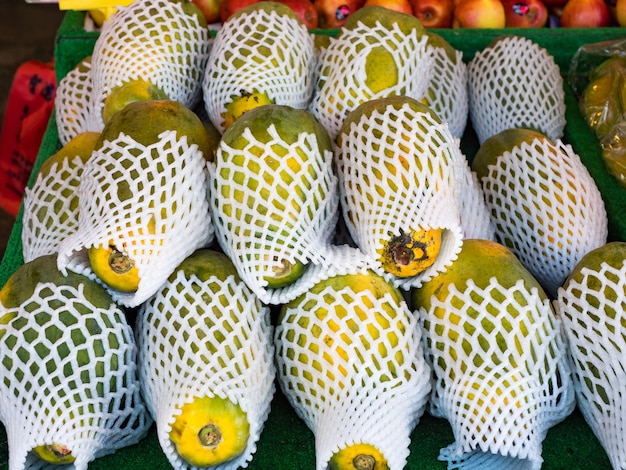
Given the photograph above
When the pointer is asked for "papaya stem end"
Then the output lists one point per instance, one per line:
(210, 436)
(364, 462)
(119, 262)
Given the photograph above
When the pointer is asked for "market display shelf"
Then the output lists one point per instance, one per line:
(286, 443)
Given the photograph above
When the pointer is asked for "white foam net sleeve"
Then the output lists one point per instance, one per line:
(263, 51)
(50, 209)
(501, 380)
(593, 312)
(151, 201)
(341, 74)
(68, 376)
(448, 94)
(154, 40)
(515, 83)
(546, 208)
(340, 378)
(475, 215)
(380, 195)
(72, 102)
(174, 367)
(264, 214)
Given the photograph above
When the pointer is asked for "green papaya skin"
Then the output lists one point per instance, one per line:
(290, 122)
(22, 283)
(357, 282)
(478, 261)
(613, 253)
(145, 120)
(205, 263)
(372, 14)
(368, 107)
(496, 145)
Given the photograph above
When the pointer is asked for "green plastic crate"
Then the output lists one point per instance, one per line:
(286, 443)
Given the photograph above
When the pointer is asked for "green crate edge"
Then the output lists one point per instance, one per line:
(286, 443)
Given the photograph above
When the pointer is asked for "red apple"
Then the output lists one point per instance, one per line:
(586, 14)
(228, 7)
(525, 13)
(620, 12)
(334, 13)
(403, 6)
(305, 10)
(210, 9)
(555, 3)
(434, 13)
(479, 14)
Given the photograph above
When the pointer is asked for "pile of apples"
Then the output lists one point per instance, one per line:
(331, 14)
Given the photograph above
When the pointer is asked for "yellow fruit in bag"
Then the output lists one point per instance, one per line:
(603, 101)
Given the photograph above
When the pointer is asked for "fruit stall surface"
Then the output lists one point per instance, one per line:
(286, 442)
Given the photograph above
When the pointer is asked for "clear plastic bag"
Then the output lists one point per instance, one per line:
(597, 76)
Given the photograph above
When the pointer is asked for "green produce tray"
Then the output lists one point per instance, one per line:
(286, 443)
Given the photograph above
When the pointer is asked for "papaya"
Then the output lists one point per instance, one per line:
(277, 170)
(358, 457)
(209, 430)
(128, 92)
(19, 291)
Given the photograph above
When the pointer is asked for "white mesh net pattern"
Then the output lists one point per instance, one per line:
(341, 84)
(261, 51)
(72, 102)
(501, 375)
(341, 378)
(264, 214)
(152, 201)
(515, 83)
(546, 208)
(50, 212)
(68, 373)
(199, 338)
(474, 214)
(593, 320)
(448, 93)
(406, 179)
(154, 40)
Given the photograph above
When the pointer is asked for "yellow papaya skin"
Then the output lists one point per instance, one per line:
(54, 453)
(409, 254)
(242, 103)
(210, 431)
(358, 457)
(114, 268)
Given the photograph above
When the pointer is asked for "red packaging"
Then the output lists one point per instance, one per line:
(28, 111)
